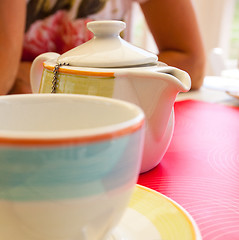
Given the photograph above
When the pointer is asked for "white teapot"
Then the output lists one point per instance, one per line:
(109, 66)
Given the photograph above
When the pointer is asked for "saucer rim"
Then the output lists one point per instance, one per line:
(185, 213)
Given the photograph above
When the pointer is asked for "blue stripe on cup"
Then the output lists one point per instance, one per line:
(35, 174)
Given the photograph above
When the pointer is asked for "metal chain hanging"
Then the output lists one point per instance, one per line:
(55, 75)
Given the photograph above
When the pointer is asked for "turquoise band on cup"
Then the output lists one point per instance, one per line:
(30, 174)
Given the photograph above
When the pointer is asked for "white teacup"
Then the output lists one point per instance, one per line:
(68, 165)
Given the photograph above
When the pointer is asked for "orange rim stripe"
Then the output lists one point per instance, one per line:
(69, 141)
(80, 72)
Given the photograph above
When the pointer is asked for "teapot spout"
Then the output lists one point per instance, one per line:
(161, 82)
(155, 92)
(182, 79)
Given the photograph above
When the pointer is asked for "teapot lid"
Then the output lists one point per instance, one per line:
(107, 49)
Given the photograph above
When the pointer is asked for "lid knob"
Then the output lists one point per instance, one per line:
(106, 28)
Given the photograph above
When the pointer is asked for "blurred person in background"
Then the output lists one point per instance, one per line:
(31, 27)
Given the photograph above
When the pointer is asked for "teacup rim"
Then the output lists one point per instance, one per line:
(73, 136)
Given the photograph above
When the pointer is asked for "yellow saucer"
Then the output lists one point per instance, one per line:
(153, 216)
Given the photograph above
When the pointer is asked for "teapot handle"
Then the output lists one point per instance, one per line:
(37, 69)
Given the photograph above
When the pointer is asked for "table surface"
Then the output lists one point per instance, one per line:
(209, 95)
(214, 89)
(200, 170)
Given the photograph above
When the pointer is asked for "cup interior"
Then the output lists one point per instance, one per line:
(54, 114)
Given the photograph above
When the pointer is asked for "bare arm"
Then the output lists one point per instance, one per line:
(174, 27)
(12, 23)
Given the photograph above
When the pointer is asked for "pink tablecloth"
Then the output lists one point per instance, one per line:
(200, 170)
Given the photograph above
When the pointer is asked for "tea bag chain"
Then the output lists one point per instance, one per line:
(55, 75)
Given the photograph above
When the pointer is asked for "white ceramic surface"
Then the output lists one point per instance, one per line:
(138, 78)
(68, 163)
(107, 49)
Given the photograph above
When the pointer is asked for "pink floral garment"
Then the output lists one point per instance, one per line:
(62, 25)
(55, 34)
